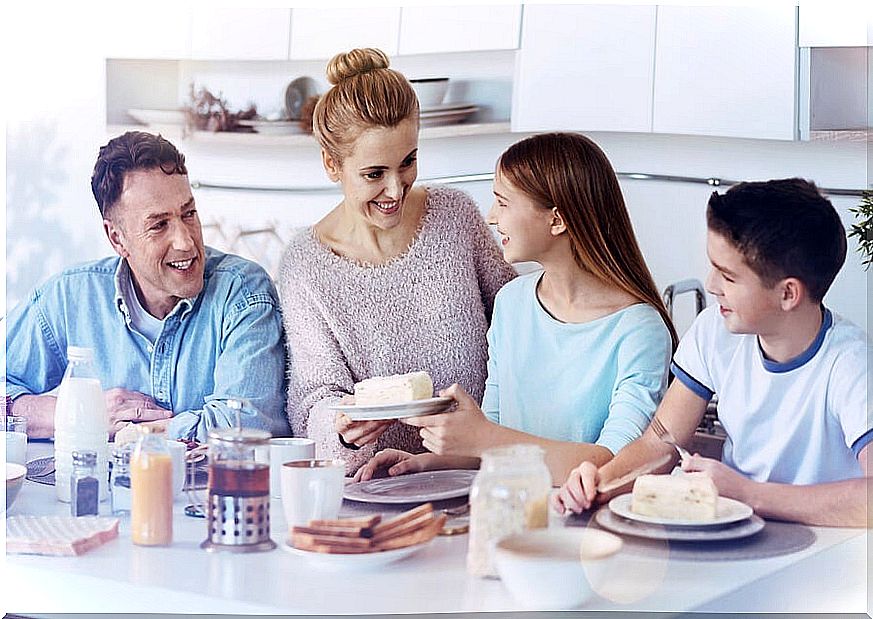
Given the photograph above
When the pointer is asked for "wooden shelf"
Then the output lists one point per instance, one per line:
(177, 132)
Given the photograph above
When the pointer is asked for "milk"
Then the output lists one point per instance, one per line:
(81, 423)
(16, 447)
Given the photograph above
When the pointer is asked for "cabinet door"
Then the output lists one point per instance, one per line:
(835, 25)
(322, 33)
(240, 34)
(726, 71)
(141, 31)
(434, 29)
(585, 67)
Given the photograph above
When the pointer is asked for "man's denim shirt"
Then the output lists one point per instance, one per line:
(225, 343)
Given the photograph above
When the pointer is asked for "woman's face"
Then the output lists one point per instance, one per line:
(379, 172)
(525, 227)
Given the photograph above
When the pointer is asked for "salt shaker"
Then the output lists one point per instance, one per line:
(84, 487)
(119, 481)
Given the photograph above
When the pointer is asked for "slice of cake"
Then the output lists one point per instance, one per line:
(394, 389)
(690, 496)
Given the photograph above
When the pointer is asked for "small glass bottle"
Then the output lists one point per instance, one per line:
(509, 495)
(151, 485)
(84, 487)
(119, 480)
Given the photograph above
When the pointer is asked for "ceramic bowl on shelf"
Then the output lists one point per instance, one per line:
(430, 90)
(553, 569)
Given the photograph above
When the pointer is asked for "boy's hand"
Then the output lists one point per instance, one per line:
(462, 432)
(579, 491)
(729, 483)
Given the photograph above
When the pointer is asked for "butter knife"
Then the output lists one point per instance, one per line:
(648, 467)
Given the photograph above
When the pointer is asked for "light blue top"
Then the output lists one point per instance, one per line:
(226, 342)
(595, 382)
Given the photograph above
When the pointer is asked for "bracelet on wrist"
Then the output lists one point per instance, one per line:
(351, 446)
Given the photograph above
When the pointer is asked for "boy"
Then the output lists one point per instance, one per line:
(791, 376)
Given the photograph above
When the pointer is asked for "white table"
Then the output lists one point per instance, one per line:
(119, 577)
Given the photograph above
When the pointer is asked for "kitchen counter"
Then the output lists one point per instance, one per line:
(829, 575)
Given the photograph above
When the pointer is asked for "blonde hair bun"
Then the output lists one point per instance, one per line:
(357, 61)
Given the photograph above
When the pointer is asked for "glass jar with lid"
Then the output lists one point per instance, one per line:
(509, 495)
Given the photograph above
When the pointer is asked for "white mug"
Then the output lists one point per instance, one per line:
(312, 489)
(177, 451)
(284, 450)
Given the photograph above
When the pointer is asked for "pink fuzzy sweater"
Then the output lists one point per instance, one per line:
(427, 309)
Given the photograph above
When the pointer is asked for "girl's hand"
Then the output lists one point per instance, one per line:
(462, 432)
(579, 491)
(394, 462)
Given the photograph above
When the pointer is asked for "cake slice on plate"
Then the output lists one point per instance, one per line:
(393, 389)
(689, 496)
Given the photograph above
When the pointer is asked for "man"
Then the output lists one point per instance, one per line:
(177, 328)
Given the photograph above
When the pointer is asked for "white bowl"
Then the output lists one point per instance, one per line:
(548, 569)
(15, 474)
(430, 90)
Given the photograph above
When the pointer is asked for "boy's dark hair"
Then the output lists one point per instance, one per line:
(783, 228)
(135, 150)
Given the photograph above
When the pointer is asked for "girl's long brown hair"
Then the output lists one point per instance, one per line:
(569, 172)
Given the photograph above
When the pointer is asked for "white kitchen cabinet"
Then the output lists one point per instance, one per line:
(835, 25)
(142, 31)
(726, 71)
(461, 28)
(585, 67)
(240, 34)
(321, 33)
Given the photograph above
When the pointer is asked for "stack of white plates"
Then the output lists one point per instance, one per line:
(446, 114)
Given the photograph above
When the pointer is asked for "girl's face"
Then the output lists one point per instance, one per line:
(525, 227)
(378, 174)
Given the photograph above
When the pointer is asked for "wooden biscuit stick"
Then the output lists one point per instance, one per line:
(419, 522)
(337, 531)
(401, 519)
(363, 522)
(328, 548)
(329, 540)
(419, 536)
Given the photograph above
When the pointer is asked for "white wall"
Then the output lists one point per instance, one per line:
(56, 123)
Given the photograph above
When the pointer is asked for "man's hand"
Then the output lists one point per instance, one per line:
(462, 432)
(124, 406)
(360, 433)
(394, 462)
(730, 484)
(579, 491)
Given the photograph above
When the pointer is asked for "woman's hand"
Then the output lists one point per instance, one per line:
(729, 483)
(394, 462)
(579, 491)
(360, 433)
(462, 432)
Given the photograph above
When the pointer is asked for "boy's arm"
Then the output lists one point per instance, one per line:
(680, 411)
(836, 504)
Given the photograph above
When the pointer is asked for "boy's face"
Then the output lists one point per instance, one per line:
(746, 303)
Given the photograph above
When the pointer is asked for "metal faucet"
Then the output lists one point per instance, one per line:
(681, 287)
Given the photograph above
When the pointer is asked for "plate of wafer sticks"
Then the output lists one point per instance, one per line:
(364, 542)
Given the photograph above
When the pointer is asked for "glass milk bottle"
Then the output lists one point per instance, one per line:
(151, 489)
(509, 495)
(81, 422)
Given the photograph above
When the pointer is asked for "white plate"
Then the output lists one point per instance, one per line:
(415, 408)
(158, 117)
(353, 561)
(273, 127)
(606, 518)
(445, 107)
(726, 511)
(413, 488)
(448, 117)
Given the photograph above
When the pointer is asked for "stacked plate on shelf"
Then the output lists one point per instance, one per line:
(446, 114)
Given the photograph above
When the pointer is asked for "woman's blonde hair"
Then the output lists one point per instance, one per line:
(365, 94)
(569, 172)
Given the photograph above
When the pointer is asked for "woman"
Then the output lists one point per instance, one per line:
(578, 352)
(396, 278)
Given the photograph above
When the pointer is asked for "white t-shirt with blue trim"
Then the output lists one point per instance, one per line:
(594, 382)
(800, 422)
